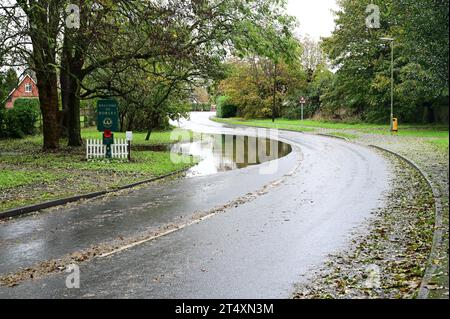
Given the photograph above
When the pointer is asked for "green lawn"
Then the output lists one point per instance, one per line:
(28, 175)
(348, 130)
(441, 144)
(279, 124)
(298, 125)
(14, 178)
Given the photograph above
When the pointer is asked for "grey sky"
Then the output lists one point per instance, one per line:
(315, 16)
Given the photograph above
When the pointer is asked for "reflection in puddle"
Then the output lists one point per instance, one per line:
(220, 153)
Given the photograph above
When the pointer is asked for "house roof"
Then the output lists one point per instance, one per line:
(20, 83)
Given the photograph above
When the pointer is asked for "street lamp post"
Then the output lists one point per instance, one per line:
(391, 40)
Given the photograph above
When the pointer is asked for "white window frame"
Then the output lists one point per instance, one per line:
(28, 88)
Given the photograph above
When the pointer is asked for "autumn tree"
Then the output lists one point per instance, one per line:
(249, 85)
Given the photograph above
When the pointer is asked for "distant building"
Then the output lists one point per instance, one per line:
(27, 88)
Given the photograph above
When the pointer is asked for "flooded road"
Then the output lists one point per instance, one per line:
(221, 152)
(304, 206)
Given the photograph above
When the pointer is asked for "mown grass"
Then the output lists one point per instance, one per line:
(411, 130)
(298, 125)
(144, 162)
(34, 143)
(441, 144)
(280, 124)
(28, 175)
(14, 178)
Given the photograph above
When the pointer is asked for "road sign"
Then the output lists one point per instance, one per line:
(108, 115)
(129, 139)
(129, 136)
(302, 100)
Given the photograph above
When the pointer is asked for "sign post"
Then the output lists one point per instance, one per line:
(108, 140)
(129, 138)
(108, 122)
(302, 103)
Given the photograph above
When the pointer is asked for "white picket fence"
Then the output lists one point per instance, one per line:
(120, 149)
(96, 149)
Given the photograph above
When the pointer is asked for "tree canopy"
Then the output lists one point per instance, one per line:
(348, 74)
(362, 59)
(180, 42)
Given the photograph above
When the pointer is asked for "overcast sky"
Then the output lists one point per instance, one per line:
(315, 16)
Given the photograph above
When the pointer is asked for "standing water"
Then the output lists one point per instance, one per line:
(220, 152)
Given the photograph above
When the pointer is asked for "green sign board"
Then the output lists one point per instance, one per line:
(108, 115)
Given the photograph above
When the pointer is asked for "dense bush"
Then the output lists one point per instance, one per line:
(31, 103)
(292, 109)
(12, 125)
(2, 121)
(136, 118)
(250, 86)
(20, 120)
(225, 109)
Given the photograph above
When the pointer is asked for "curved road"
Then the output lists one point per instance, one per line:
(259, 247)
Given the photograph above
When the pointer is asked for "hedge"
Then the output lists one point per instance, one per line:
(20, 120)
(2, 121)
(27, 103)
(225, 109)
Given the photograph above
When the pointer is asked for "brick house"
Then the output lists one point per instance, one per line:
(26, 89)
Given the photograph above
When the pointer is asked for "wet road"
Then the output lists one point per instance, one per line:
(258, 249)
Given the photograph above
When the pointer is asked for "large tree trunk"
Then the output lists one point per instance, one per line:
(130, 119)
(63, 80)
(431, 118)
(71, 104)
(48, 98)
(73, 118)
(153, 122)
(149, 133)
(44, 21)
(71, 65)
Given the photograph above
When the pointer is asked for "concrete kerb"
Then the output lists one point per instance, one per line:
(438, 231)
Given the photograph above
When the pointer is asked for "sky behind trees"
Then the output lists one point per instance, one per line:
(316, 18)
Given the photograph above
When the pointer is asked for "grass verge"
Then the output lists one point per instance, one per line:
(436, 134)
(29, 176)
(441, 144)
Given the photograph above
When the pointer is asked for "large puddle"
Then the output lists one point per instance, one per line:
(220, 153)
